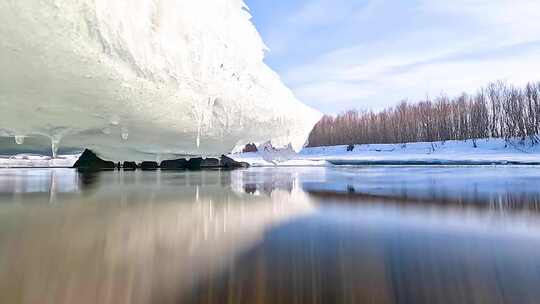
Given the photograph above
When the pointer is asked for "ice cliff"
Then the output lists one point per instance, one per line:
(136, 79)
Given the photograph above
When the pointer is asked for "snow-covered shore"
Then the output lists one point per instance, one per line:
(37, 161)
(486, 152)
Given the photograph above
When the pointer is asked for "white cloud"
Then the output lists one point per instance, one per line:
(449, 46)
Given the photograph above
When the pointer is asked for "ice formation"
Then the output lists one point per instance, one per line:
(136, 79)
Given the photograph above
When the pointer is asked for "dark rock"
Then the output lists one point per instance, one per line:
(194, 163)
(210, 163)
(198, 163)
(250, 148)
(175, 164)
(229, 163)
(149, 165)
(129, 166)
(89, 161)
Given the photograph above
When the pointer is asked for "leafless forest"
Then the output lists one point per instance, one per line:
(498, 110)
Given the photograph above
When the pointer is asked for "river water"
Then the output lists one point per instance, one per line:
(272, 235)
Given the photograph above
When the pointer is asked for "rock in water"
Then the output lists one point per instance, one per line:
(194, 163)
(175, 164)
(198, 163)
(230, 163)
(149, 165)
(131, 79)
(129, 166)
(210, 163)
(89, 161)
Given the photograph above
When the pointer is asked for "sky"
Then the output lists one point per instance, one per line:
(369, 54)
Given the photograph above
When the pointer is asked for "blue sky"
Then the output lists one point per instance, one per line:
(368, 54)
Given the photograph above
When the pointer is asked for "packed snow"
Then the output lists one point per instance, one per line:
(37, 161)
(487, 151)
(138, 80)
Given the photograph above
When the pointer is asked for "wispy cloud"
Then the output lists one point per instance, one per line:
(341, 54)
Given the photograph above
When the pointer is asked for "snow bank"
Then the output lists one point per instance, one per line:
(256, 159)
(136, 79)
(488, 151)
(37, 161)
(267, 156)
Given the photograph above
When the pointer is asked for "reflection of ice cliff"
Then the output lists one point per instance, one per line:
(132, 79)
(133, 238)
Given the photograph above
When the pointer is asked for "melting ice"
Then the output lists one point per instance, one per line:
(183, 76)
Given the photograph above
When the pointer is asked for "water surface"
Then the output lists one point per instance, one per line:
(272, 235)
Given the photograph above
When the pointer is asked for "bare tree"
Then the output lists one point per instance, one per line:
(500, 110)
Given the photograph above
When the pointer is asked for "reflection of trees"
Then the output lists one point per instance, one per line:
(507, 201)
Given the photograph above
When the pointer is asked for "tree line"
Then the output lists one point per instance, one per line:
(499, 110)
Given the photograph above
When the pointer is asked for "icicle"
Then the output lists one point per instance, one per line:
(19, 139)
(125, 133)
(198, 137)
(55, 141)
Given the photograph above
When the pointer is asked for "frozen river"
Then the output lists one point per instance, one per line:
(377, 234)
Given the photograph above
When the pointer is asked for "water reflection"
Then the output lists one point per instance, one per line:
(271, 235)
(265, 181)
(491, 187)
(126, 237)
